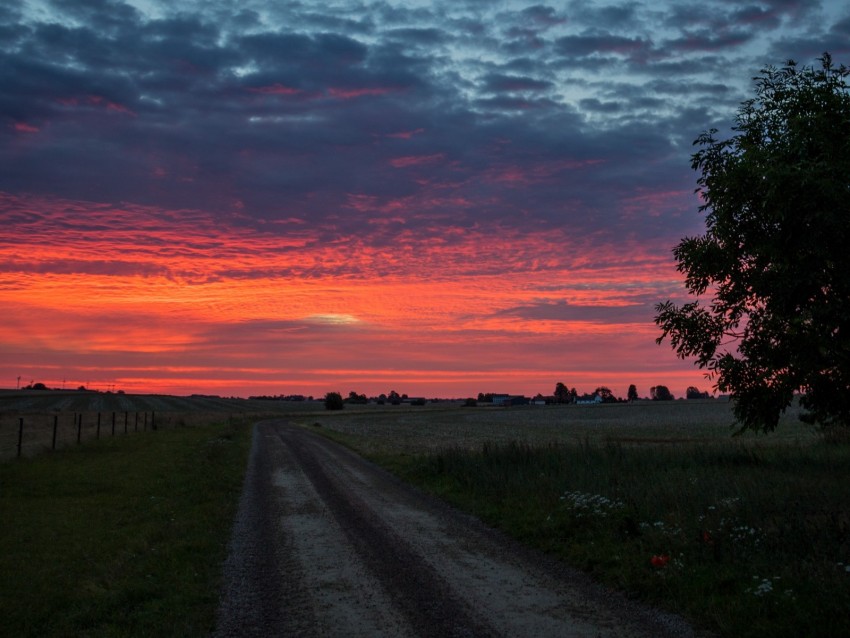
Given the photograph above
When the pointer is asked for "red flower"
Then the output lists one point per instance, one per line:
(660, 560)
(707, 539)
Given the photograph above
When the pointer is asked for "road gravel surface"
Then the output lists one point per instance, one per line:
(327, 544)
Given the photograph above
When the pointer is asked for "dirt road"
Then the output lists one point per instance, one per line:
(327, 544)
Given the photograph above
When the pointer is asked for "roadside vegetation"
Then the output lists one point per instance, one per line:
(747, 536)
(124, 536)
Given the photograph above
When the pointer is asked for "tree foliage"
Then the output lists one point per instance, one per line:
(561, 394)
(774, 260)
(333, 401)
(660, 393)
(604, 393)
(694, 392)
(356, 399)
(633, 393)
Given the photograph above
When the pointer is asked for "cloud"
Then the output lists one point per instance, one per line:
(396, 156)
(549, 310)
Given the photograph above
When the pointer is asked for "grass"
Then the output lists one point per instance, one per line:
(751, 535)
(135, 412)
(120, 537)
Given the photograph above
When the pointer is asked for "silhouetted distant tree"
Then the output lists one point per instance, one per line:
(333, 401)
(632, 394)
(358, 399)
(694, 393)
(605, 394)
(562, 394)
(660, 393)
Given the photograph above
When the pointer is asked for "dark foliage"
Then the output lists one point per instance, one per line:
(774, 258)
(333, 401)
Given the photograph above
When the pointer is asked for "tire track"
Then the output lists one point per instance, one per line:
(414, 587)
(327, 544)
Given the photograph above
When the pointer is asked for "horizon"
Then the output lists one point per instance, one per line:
(112, 388)
(441, 198)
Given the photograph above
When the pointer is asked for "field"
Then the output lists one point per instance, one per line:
(40, 409)
(416, 430)
(746, 535)
(122, 536)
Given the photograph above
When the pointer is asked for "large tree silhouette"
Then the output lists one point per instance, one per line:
(774, 260)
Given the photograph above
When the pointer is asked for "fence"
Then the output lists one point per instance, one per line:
(29, 434)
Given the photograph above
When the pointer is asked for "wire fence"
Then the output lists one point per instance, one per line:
(25, 435)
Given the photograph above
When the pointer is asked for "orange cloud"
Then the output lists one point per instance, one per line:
(174, 300)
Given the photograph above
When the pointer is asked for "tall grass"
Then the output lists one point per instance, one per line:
(747, 540)
(120, 537)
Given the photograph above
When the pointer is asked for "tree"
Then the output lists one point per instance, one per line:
(333, 401)
(562, 394)
(693, 392)
(605, 394)
(660, 393)
(358, 399)
(774, 257)
(632, 394)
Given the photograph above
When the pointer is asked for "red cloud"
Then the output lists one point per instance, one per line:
(416, 160)
(23, 127)
(96, 100)
(197, 290)
(405, 135)
(275, 89)
(349, 94)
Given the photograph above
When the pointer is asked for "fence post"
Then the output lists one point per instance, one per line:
(146, 422)
(136, 426)
(125, 421)
(20, 434)
(79, 426)
(55, 425)
(153, 420)
(113, 424)
(98, 425)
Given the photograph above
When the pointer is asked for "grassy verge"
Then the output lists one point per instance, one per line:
(748, 541)
(120, 537)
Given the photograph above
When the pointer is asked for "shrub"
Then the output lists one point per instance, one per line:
(333, 401)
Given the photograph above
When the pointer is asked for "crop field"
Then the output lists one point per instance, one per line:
(416, 430)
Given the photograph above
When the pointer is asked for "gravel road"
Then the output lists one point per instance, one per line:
(327, 544)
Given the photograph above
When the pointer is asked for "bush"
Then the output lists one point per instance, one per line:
(333, 401)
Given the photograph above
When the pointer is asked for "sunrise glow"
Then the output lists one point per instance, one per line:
(260, 206)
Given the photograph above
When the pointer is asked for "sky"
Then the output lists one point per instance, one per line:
(438, 198)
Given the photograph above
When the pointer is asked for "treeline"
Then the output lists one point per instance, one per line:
(603, 394)
(561, 395)
(335, 400)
